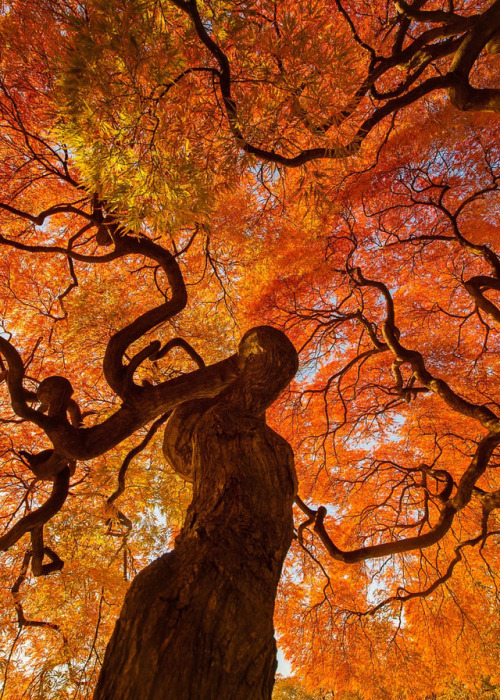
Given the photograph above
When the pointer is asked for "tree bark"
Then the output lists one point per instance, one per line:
(197, 624)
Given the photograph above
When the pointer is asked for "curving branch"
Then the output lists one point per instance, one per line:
(391, 335)
(39, 551)
(469, 36)
(39, 219)
(478, 284)
(385, 549)
(451, 506)
(59, 250)
(15, 590)
(116, 374)
(476, 287)
(461, 93)
(130, 456)
(180, 343)
(141, 404)
(415, 13)
(18, 394)
(41, 515)
(78, 443)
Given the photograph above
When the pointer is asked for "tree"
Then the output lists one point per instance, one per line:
(340, 192)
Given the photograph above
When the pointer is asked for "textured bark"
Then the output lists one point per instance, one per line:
(198, 622)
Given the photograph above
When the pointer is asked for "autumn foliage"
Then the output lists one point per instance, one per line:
(331, 169)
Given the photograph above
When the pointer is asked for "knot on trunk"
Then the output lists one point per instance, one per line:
(54, 396)
(47, 464)
(267, 361)
(493, 45)
(179, 430)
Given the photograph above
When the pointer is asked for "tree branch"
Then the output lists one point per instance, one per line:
(41, 515)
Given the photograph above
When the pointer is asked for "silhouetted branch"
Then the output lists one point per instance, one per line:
(130, 456)
(41, 515)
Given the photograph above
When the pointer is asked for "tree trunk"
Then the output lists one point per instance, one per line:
(197, 624)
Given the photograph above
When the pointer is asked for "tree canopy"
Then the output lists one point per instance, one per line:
(176, 172)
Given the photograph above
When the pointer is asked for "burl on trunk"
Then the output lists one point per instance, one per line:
(197, 624)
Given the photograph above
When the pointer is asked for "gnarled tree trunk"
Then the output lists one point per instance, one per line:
(197, 624)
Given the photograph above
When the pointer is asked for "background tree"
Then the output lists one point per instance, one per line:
(333, 172)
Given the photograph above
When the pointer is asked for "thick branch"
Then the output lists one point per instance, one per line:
(41, 515)
(145, 405)
(461, 93)
(477, 31)
(475, 287)
(39, 551)
(462, 497)
(382, 550)
(392, 337)
(114, 371)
